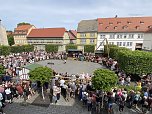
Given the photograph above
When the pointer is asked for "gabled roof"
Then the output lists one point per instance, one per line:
(23, 27)
(47, 33)
(126, 24)
(88, 26)
(72, 34)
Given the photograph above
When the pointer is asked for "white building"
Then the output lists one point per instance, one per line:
(128, 32)
(3, 35)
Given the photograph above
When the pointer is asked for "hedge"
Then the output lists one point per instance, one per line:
(4, 50)
(135, 62)
(51, 48)
(89, 48)
(20, 49)
(70, 46)
(113, 51)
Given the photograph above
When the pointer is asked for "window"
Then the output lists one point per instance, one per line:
(110, 23)
(125, 36)
(131, 35)
(118, 22)
(111, 36)
(82, 41)
(129, 22)
(140, 35)
(82, 35)
(115, 27)
(129, 43)
(92, 34)
(119, 36)
(124, 43)
(111, 43)
(119, 43)
(124, 27)
(92, 41)
(102, 36)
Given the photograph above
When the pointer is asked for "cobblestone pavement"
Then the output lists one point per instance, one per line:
(72, 66)
(62, 107)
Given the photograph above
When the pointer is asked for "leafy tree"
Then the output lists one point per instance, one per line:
(89, 48)
(71, 46)
(4, 50)
(2, 69)
(20, 49)
(104, 79)
(10, 39)
(51, 48)
(42, 74)
(23, 23)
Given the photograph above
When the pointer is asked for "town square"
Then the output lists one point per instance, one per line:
(75, 57)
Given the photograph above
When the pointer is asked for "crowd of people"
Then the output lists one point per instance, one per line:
(74, 86)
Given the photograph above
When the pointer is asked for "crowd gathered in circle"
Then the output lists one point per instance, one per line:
(73, 86)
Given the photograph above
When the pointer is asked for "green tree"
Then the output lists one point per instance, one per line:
(104, 79)
(23, 23)
(71, 46)
(2, 69)
(4, 50)
(10, 39)
(51, 48)
(42, 74)
(89, 48)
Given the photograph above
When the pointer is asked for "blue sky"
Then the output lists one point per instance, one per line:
(67, 13)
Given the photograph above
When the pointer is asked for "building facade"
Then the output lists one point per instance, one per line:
(42, 36)
(3, 35)
(73, 36)
(128, 32)
(86, 33)
(20, 34)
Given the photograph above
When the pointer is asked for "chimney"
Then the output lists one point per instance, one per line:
(0, 21)
(116, 16)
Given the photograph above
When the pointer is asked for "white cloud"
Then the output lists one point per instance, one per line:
(67, 13)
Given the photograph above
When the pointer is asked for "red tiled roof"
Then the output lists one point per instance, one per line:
(23, 27)
(47, 33)
(72, 34)
(126, 24)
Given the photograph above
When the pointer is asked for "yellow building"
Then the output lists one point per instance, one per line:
(20, 34)
(86, 33)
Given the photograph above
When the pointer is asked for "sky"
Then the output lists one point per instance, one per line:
(68, 13)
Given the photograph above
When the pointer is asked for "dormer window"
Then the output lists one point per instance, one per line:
(118, 22)
(137, 27)
(115, 27)
(141, 22)
(110, 23)
(150, 26)
(129, 22)
(107, 27)
(124, 27)
(101, 23)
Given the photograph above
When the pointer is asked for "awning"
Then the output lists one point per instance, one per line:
(99, 51)
(74, 50)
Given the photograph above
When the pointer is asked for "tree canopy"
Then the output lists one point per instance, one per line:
(42, 74)
(10, 39)
(23, 23)
(104, 79)
(2, 69)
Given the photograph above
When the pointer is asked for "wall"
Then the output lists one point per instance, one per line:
(87, 36)
(114, 40)
(3, 36)
(147, 43)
